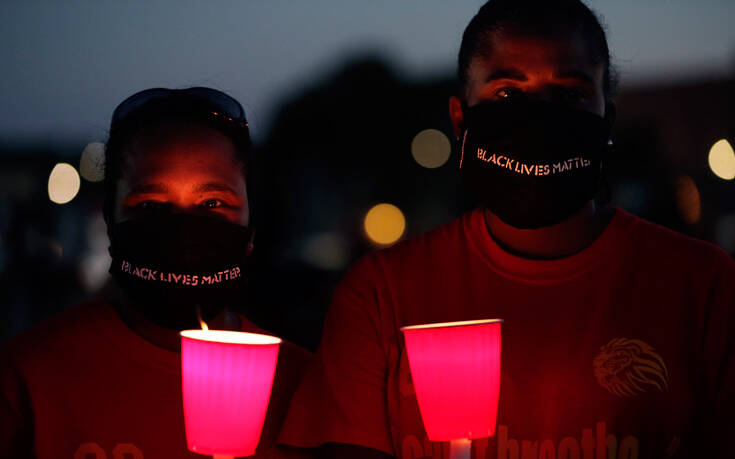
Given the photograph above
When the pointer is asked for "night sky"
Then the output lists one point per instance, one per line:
(67, 64)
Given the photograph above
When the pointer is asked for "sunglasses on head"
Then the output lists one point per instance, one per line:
(221, 105)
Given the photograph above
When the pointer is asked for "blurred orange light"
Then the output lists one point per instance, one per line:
(384, 224)
(688, 200)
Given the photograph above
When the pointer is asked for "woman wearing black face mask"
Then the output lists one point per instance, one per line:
(608, 318)
(103, 378)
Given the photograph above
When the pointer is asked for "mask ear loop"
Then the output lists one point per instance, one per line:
(461, 157)
(463, 104)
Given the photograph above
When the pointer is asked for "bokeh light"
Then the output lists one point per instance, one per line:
(56, 249)
(633, 195)
(92, 162)
(95, 260)
(722, 159)
(327, 251)
(688, 200)
(63, 183)
(725, 232)
(385, 224)
(430, 148)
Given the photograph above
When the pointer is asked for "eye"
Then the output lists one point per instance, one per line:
(508, 92)
(150, 206)
(212, 204)
(574, 94)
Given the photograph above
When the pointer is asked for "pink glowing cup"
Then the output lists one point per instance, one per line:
(226, 379)
(455, 367)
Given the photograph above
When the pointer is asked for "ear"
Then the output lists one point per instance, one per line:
(251, 244)
(456, 115)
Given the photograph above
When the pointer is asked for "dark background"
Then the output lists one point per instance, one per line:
(332, 148)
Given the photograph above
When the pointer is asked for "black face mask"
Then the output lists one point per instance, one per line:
(532, 163)
(168, 265)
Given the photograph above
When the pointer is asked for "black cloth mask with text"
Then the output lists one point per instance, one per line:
(168, 265)
(532, 163)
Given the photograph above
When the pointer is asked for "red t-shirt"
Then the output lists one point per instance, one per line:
(623, 350)
(84, 385)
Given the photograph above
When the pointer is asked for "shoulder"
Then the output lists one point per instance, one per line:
(673, 248)
(57, 332)
(292, 358)
(435, 245)
(443, 238)
(40, 353)
(295, 357)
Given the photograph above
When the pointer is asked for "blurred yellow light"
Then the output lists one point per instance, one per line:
(430, 148)
(385, 224)
(63, 183)
(687, 200)
(92, 162)
(722, 159)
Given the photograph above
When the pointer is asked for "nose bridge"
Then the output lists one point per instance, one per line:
(186, 207)
(176, 203)
(539, 82)
(540, 90)
(178, 208)
(181, 203)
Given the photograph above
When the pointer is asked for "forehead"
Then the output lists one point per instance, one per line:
(182, 148)
(540, 54)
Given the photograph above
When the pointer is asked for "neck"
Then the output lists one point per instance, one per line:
(169, 338)
(558, 241)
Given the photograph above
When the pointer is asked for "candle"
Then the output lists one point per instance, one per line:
(455, 367)
(226, 379)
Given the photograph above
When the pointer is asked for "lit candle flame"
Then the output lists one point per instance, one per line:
(202, 323)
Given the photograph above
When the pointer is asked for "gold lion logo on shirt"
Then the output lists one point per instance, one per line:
(627, 367)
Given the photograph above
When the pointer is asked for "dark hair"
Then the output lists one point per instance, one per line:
(172, 110)
(538, 17)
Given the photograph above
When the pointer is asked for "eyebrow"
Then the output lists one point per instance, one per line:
(574, 74)
(506, 74)
(144, 188)
(214, 186)
(515, 74)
